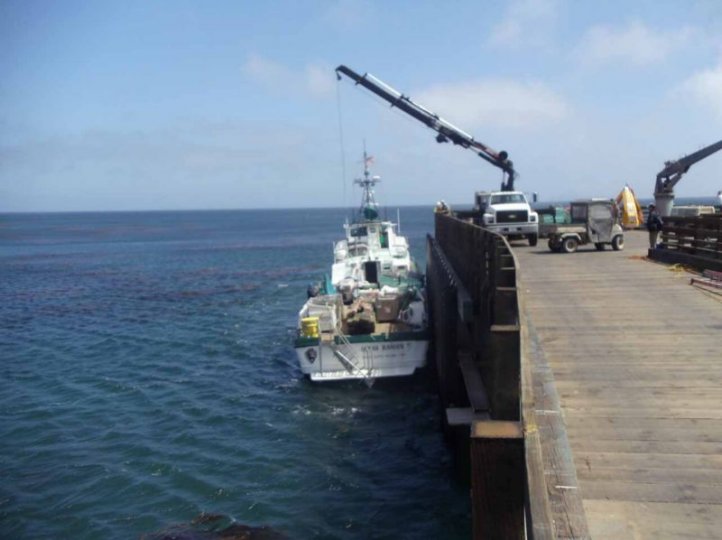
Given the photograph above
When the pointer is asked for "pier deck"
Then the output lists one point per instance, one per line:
(635, 354)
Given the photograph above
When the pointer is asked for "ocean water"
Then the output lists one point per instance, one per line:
(148, 378)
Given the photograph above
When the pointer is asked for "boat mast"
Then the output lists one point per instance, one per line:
(369, 207)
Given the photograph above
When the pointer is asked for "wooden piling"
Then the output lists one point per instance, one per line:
(497, 479)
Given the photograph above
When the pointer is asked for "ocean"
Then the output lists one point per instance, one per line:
(150, 389)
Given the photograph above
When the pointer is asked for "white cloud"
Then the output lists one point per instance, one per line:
(316, 79)
(526, 22)
(320, 80)
(266, 72)
(705, 87)
(497, 102)
(635, 44)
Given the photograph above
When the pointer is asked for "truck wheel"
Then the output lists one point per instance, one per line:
(553, 247)
(569, 244)
(599, 246)
(533, 238)
(618, 243)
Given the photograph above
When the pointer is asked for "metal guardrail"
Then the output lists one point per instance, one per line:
(484, 383)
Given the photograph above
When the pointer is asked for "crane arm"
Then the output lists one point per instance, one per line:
(446, 130)
(673, 171)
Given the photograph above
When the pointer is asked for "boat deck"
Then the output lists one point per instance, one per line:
(632, 355)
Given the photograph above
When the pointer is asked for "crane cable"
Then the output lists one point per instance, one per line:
(343, 147)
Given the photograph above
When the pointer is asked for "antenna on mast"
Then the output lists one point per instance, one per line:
(369, 207)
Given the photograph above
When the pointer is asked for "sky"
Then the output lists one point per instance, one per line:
(151, 105)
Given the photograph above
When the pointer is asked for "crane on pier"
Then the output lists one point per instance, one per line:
(445, 130)
(672, 173)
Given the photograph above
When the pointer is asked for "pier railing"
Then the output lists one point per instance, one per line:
(484, 382)
(694, 241)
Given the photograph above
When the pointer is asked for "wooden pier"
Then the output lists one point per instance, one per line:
(618, 366)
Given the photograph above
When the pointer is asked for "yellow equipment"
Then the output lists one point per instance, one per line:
(309, 327)
(631, 216)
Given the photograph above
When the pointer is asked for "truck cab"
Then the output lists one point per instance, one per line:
(507, 213)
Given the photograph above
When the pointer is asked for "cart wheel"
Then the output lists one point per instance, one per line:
(533, 238)
(618, 243)
(569, 244)
(599, 246)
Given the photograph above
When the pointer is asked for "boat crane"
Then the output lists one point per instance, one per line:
(445, 130)
(672, 173)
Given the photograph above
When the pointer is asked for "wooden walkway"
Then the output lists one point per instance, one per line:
(635, 354)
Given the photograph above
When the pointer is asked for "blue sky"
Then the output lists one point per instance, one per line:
(180, 105)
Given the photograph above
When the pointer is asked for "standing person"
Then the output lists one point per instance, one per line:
(654, 225)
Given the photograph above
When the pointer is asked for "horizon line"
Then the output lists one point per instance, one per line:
(265, 209)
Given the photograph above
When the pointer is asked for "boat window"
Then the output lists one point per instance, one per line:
(357, 251)
(384, 239)
(372, 229)
(358, 231)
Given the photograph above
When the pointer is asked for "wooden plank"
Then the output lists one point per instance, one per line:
(502, 358)
(640, 413)
(497, 429)
(541, 524)
(706, 282)
(651, 492)
(626, 519)
(694, 476)
(710, 426)
(650, 460)
(505, 305)
(475, 389)
(464, 416)
(645, 432)
(497, 480)
(647, 447)
(562, 485)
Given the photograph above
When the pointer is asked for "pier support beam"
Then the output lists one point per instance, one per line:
(498, 471)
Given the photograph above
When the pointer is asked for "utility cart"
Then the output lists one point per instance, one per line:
(592, 221)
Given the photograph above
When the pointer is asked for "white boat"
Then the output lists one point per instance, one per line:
(368, 319)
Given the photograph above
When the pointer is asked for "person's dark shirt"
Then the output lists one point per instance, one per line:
(654, 222)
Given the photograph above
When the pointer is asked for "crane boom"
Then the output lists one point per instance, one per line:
(446, 130)
(672, 173)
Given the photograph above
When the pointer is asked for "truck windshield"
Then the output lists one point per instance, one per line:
(508, 198)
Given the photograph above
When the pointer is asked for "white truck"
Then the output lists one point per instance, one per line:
(507, 213)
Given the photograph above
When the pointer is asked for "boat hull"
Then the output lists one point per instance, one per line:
(363, 357)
